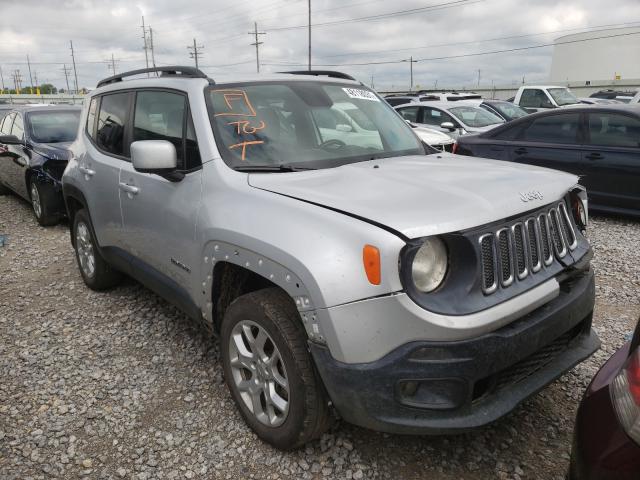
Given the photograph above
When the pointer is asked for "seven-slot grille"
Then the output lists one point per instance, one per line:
(525, 246)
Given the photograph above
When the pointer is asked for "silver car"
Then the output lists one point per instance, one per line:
(458, 118)
(342, 269)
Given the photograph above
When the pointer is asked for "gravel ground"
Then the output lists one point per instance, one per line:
(121, 385)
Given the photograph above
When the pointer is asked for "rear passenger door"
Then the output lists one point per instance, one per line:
(611, 158)
(159, 215)
(15, 159)
(5, 153)
(552, 141)
(100, 164)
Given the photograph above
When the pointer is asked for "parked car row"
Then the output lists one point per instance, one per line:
(342, 262)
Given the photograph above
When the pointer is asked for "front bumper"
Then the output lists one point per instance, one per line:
(601, 449)
(447, 387)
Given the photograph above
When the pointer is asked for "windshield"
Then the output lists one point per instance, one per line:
(475, 116)
(53, 127)
(306, 124)
(563, 96)
(510, 110)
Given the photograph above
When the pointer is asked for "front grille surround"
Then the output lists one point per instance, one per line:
(525, 246)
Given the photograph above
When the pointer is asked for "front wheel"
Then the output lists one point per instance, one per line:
(40, 206)
(269, 370)
(96, 272)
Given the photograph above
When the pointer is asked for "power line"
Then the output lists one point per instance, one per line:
(439, 6)
(194, 53)
(256, 43)
(510, 37)
(448, 57)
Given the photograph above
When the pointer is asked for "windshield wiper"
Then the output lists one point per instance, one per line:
(284, 167)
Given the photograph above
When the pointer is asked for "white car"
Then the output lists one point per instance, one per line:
(453, 118)
(433, 138)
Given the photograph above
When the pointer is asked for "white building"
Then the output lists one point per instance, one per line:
(613, 58)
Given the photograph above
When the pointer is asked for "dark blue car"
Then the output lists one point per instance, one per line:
(599, 143)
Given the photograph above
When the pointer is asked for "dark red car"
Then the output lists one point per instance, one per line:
(606, 443)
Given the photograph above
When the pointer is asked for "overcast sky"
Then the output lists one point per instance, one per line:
(435, 28)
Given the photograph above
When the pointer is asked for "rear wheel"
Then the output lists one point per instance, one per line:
(269, 370)
(41, 209)
(96, 272)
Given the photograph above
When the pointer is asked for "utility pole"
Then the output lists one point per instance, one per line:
(195, 53)
(30, 77)
(66, 75)
(35, 79)
(478, 77)
(2, 79)
(411, 62)
(153, 55)
(144, 38)
(309, 5)
(75, 72)
(257, 44)
(111, 64)
(17, 80)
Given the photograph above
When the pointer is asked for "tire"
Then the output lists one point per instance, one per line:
(96, 272)
(272, 312)
(39, 205)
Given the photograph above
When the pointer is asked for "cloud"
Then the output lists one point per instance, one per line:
(102, 28)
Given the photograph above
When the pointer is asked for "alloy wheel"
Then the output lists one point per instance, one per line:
(84, 247)
(259, 373)
(35, 200)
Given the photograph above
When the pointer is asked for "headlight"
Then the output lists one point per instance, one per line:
(429, 265)
(579, 207)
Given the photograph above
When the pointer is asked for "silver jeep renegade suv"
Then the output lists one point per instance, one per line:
(344, 266)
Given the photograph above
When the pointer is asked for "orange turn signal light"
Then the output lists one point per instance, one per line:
(371, 260)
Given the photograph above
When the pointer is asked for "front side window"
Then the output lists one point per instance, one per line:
(475, 116)
(53, 127)
(7, 121)
(534, 98)
(431, 116)
(561, 128)
(111, 121)
(409, 113)
(305, 124)
(614, 130)
(563, 96)
(18, 127)
(161, 116)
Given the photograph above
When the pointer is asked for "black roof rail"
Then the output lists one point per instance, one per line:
(323, 73)
(188, 72)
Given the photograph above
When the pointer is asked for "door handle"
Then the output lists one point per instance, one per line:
(133, 190)
(87, 171)
(594, 156)
(520, 151)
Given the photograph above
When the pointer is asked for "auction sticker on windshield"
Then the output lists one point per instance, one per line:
(361, 94)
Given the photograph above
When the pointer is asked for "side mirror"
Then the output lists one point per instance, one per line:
(156, 156)
(448, 126)
(10, 140)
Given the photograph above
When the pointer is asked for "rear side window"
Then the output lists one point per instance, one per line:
(533, 98)
(91, 118)
(614, 130)
(18, 127)
(162, 116)
(409, 113)
(561, 128)
(111, 121)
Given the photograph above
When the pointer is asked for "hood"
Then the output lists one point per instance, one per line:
(53, 151)
(431, 137)
(424, 195)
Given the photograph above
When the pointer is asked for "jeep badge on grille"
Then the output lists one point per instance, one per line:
(531, 195)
